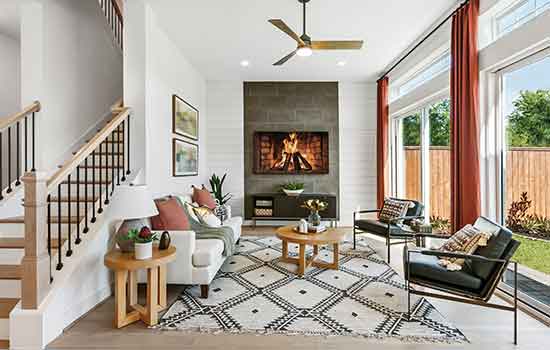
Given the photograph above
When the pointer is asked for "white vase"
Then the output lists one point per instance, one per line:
(227, 211)
(143, 251)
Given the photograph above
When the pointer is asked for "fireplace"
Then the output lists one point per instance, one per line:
(291, 153)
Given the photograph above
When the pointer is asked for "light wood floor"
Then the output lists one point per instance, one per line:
(487, 329)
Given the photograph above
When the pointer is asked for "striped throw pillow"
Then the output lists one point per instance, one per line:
(392, 209)
(465, 241)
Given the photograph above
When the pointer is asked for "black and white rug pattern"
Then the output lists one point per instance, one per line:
(255, 292)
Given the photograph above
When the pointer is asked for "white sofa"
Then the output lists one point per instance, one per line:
(198, 260)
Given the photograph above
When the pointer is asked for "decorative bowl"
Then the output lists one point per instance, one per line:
(293, 193)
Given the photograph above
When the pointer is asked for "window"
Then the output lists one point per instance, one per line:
(525, 169)
(518, 14)
(436, 67)
(422, 160)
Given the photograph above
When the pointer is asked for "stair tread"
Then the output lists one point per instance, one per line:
(6, 305)
(19, 242)
(13, 220)
(4, 344)
(102, 182)
(73, 199)
(10, 272)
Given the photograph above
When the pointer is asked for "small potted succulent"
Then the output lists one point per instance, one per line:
(315, 206)
(293, 189)
(143, 242)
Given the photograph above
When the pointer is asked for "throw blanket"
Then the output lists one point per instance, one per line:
(224, 233)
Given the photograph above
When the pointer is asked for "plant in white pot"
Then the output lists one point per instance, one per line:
(143, 242)
(293, 189)
(223, 210)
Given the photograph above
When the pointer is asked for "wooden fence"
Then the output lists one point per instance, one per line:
(527, 170)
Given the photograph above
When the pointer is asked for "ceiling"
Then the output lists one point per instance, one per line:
(217, 35)
(9, 18)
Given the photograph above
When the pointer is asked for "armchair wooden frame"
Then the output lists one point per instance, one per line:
(465, 297)
(401, 239)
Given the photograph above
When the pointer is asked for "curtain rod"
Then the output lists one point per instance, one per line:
(423, 40)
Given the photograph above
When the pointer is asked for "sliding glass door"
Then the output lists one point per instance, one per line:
(525, 169)
(422, 160)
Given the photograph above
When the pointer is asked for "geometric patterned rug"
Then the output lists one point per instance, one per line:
(255, 292)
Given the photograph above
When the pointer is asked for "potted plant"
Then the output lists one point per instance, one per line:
(223, 210)
(315, 206)
(143, 242)
(293, 189)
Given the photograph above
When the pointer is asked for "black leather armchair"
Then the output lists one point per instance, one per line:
(390, 231)
(479, 277)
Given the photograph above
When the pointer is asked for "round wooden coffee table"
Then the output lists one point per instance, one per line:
(331, 236)
(126, 267)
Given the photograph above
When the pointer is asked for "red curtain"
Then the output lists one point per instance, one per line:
(465, 182)
(382, 141)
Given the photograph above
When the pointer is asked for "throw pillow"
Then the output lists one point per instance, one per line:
(206, 217)
(171, 216)
(204, 198)
(392, 209)
(465, 241)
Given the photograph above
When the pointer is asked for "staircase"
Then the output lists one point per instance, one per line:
(73, 198)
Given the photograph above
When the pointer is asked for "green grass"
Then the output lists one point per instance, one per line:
(533, 253)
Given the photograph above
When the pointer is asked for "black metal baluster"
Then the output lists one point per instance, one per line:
(50, 235)
(93, 188)
(128, 145)
(26, 144)
(113, 160)
(59, 237)
(9, 190)
(123, 152)
(18, 156)
(77, 241)
(33, 142)
(1, 169)
(118, 159)
(86, 229)
(107, 171)
(100, 209)
(69, 218)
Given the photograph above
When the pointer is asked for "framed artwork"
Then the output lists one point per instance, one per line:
(185, 158)
(185, 118)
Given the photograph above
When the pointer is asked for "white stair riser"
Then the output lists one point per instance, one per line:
(12, 230)
(10, 289)
(11, 256)
(4, 328)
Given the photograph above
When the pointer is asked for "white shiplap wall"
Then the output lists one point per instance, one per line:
(225, 137)
(357, 148)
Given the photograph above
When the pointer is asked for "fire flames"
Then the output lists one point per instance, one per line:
(291, 159)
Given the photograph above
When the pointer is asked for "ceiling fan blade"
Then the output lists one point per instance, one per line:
(337, 45)
(282, 26)
(284, 59)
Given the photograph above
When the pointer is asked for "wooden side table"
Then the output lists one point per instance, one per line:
(331, 236)
(125, 268)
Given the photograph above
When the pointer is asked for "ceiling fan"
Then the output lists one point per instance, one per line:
(306, 45)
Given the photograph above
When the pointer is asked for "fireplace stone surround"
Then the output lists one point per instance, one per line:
(288, 107)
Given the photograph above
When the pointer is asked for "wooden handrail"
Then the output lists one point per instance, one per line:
(34, 107)
(85, 151)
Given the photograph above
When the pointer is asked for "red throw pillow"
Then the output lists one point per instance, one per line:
(171, 216)
(204, 198)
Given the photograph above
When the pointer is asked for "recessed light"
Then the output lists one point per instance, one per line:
(245, 63)
(341, 63)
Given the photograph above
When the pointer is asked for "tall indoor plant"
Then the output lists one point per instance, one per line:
(223, 210)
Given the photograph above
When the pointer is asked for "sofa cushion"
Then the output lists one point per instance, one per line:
(500, 238)
(206, 217)
(171, 216)
(375, 226)
(207, 252)
(235, 223)
(427, 267)
(204, 198)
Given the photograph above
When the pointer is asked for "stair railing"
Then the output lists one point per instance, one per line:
(60, 208)
(17, 147)
(113, 14)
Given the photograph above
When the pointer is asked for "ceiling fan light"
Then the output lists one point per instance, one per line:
(304, 51)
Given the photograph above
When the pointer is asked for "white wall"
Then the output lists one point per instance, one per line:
(357, 148)
(10, 76)
(169, 72)
(225, 138)
(71, 64)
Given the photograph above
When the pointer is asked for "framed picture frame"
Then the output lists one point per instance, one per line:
(185, 118)
(185, 158)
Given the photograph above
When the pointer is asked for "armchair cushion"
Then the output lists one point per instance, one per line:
(375, 226)
(427, 268)
(499, 241)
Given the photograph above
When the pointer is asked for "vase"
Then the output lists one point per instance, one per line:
(164, 242)
(143, 251)
(314, 218)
